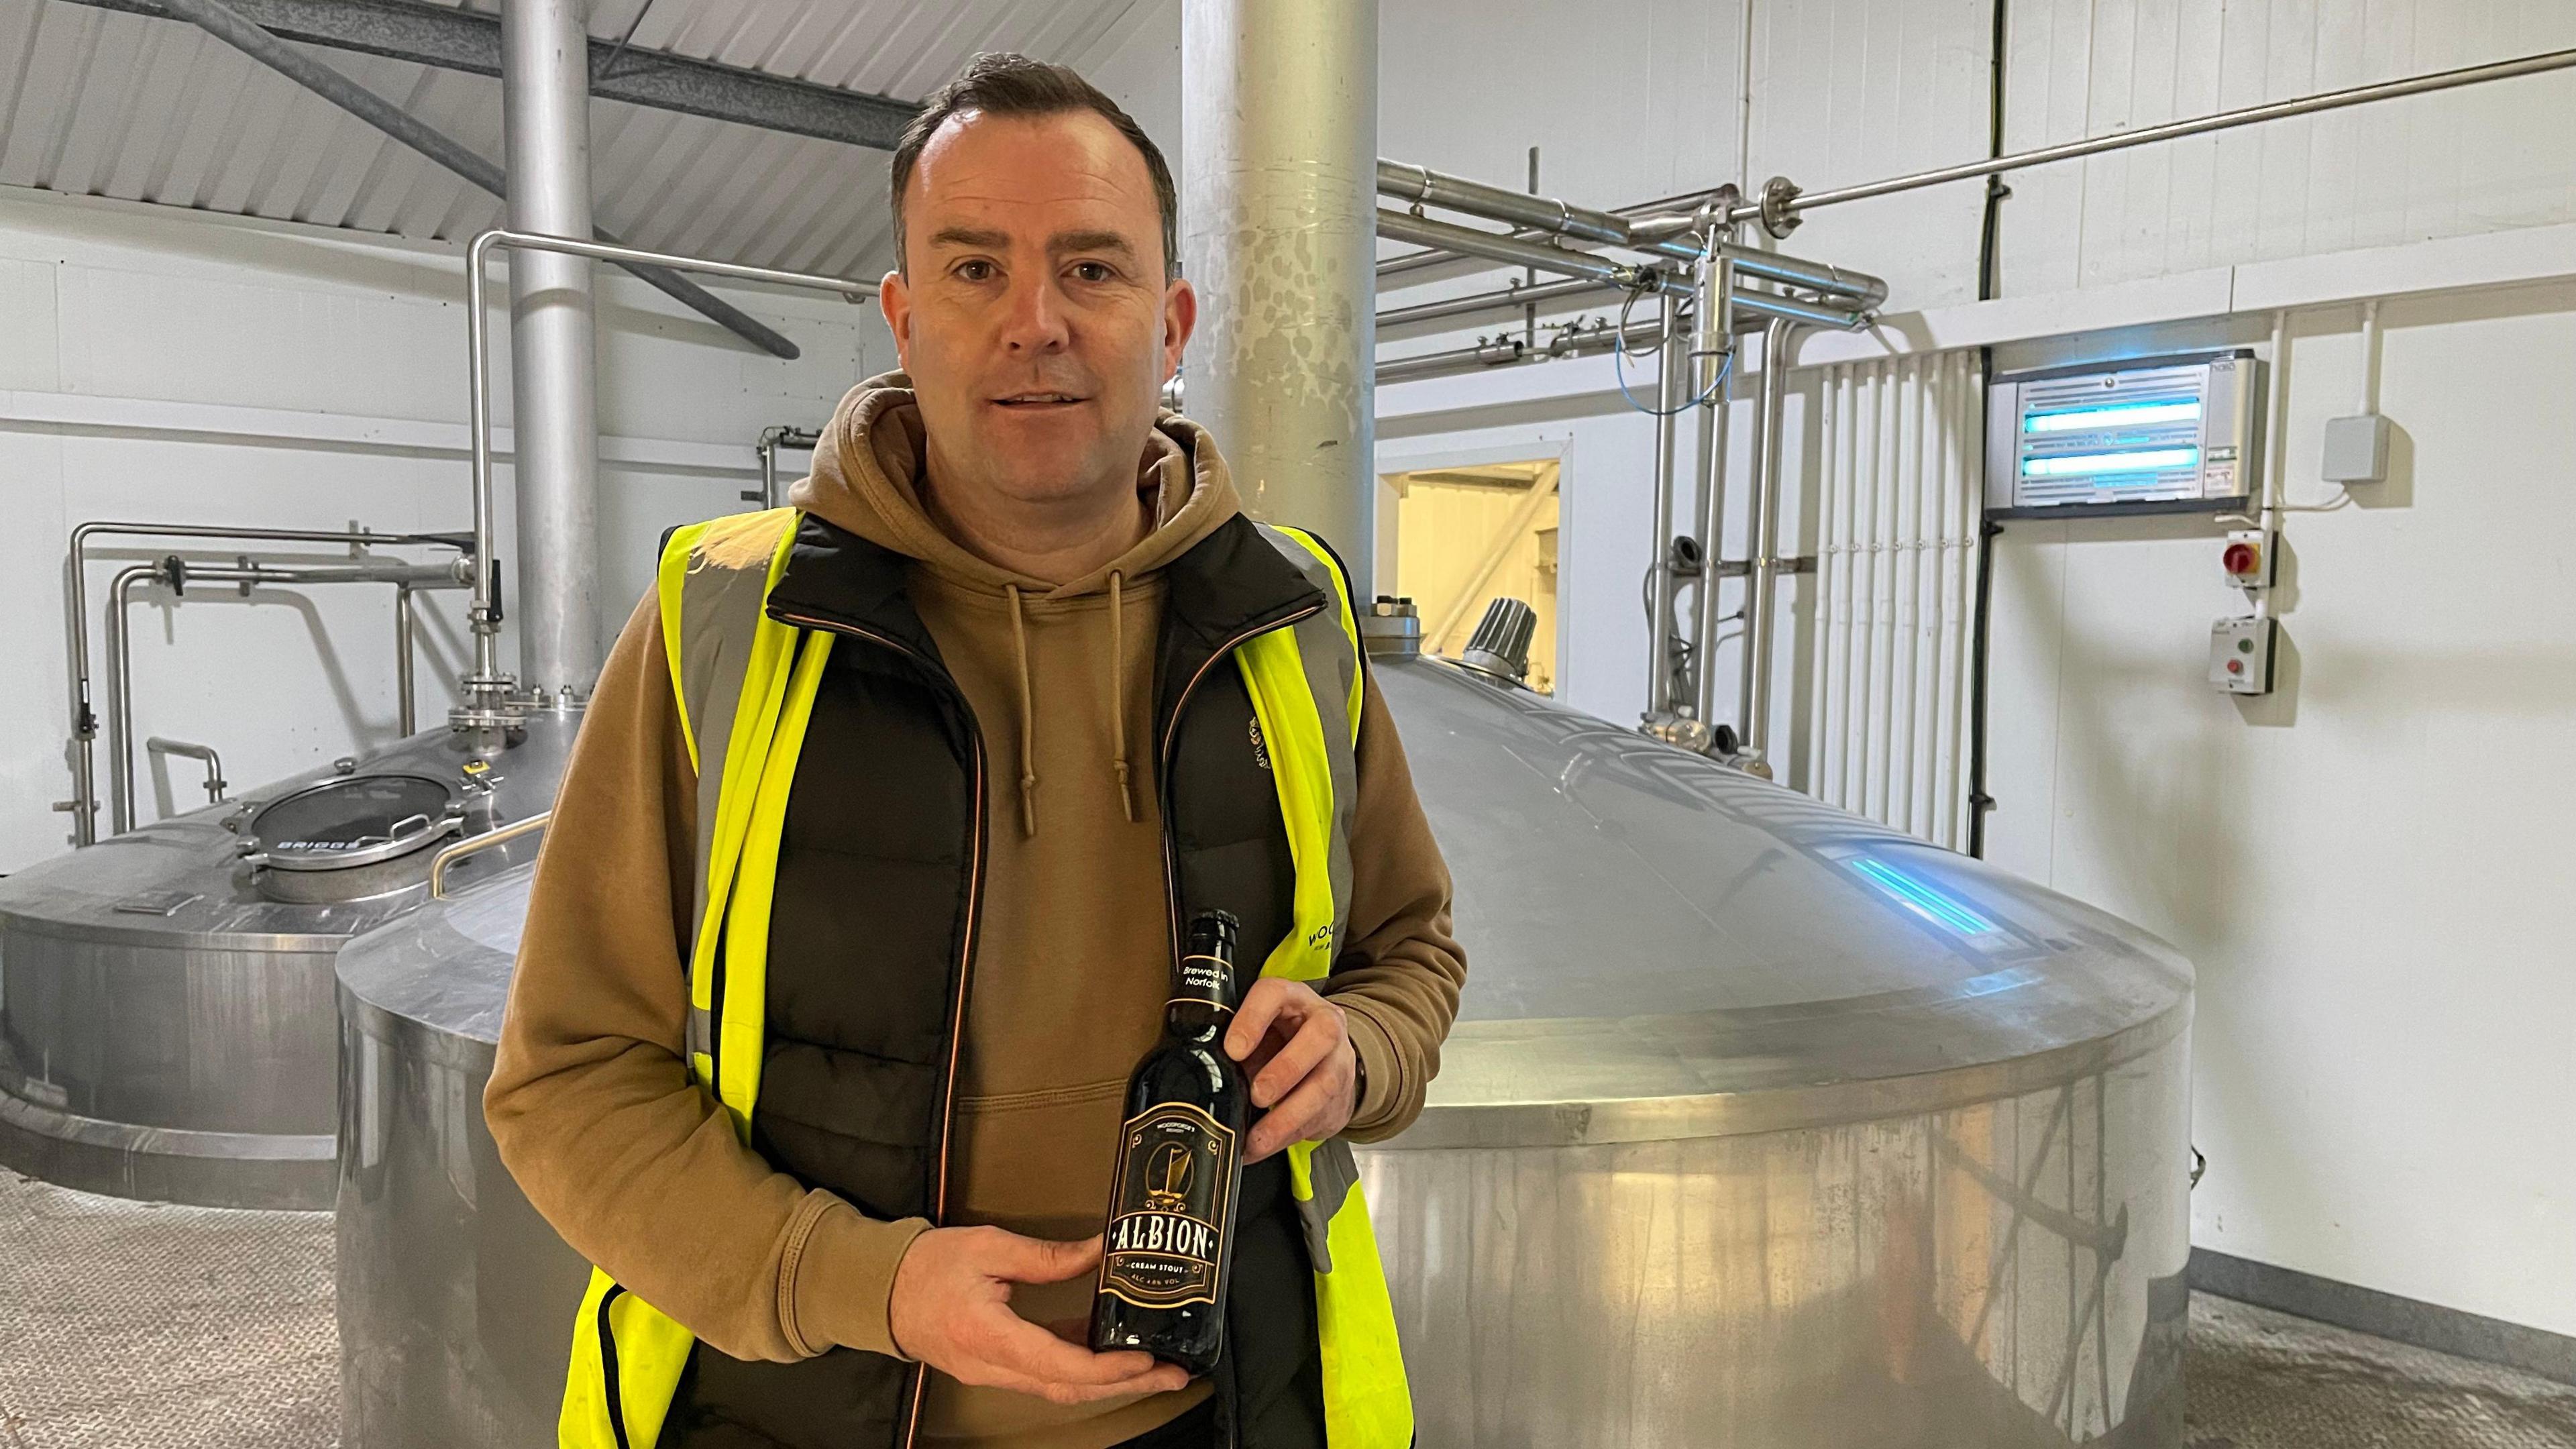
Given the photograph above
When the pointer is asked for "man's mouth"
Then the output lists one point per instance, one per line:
(1039, 400)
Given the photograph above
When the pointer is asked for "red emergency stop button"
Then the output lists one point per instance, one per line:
(2236, 666)
(2242, 558)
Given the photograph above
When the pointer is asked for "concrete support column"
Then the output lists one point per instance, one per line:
(545, 113)
(1279, 235)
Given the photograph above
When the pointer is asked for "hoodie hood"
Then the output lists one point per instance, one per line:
(869, 466)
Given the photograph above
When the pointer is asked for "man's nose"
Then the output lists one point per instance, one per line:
(1033, 318)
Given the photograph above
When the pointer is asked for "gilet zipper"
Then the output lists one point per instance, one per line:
(965, 955)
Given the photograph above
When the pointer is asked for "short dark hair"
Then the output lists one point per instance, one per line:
(1004, 83)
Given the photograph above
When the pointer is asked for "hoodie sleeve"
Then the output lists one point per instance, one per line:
(1398, 975)
(590, 1100)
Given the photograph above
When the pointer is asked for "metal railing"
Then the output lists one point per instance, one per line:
(448, 856)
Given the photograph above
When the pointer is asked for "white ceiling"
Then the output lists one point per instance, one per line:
(99, 103)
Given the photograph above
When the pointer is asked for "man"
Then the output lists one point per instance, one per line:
(861, 893)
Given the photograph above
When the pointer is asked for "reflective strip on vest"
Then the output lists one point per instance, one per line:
(1291, 675)
(743, 711)
(745, 685)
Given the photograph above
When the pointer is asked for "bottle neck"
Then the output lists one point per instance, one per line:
(1195, 1020)
(1202, 998)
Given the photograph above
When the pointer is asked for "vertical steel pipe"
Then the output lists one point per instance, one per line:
(1279, 234)
(406, 705)
(545, 113)
(120, 699)
(1671, 357)
(1715, 329)
(1761, 578)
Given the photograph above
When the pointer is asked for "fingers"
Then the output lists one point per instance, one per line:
(1320, 1035)
(1320, 1106)
(1023, 1356)
(1261, 1005)
(1018, 1259)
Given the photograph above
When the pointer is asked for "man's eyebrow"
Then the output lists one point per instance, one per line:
(967, 236)
(1092, 241)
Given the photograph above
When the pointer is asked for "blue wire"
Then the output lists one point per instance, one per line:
(1619, 371)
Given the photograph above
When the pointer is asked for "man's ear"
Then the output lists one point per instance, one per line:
(1180, 318)
(894, 298)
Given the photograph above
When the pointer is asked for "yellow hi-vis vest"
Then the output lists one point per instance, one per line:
(745, 685)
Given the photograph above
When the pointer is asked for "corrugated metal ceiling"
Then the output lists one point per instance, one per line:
(100, 103)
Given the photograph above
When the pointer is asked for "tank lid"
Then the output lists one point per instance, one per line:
(353, 821)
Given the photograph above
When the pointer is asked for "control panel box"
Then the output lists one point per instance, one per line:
(2158, 435)
(2240, 654)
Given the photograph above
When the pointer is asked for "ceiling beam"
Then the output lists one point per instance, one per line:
(455, 39)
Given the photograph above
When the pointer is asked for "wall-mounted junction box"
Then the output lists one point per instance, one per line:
(2356, 449)
(2161, 435)
(2240, 654)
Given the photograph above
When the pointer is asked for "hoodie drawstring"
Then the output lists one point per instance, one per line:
(1118, 694)
(1028, 719)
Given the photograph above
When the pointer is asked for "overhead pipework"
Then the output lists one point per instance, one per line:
(1709, 288)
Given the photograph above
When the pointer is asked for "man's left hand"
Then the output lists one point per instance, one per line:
(1296, 1048)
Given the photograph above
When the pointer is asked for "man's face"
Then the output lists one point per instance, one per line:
(1032, 312)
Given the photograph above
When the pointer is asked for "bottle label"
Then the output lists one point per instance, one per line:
(1169, 1208)
(1205, 978)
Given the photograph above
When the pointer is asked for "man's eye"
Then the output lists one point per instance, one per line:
(975, 271)
(1093, 271)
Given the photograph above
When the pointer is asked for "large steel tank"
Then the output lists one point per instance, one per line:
(167, 1022)
(1761, 1126)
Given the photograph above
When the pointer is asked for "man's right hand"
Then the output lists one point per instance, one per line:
(952, 1310)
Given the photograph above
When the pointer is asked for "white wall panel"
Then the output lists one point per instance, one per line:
(1847, 91)
(256, 374)
(2482, 159)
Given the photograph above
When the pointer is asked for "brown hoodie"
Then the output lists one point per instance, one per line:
(589, 1099)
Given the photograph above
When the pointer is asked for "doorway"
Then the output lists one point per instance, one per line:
(1466, 536)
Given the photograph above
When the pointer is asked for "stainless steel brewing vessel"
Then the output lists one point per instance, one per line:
(167, 1022)
(1761, 1126)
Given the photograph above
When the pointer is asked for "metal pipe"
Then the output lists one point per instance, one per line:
(1864, 290)
(1510, 299)
(554, 381)
(2173, 130)
(1672, 357)
(1279, 108)
(475, 845)
(1457, 193)
(83, 806)
(784, 435)
(1754, 727)
(1772, 306)
(215, 781)
(120, 704)
(1663, 234)
(406, 714)
(1493, 246)
(232, 28)
(1509, 351)
(487, 689)
(1714, 422)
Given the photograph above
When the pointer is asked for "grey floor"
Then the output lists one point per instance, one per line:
(135, 1326)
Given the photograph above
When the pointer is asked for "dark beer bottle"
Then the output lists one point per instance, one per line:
(1179, 1167)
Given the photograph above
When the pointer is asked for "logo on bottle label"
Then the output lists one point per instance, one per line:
(1167, 1226)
